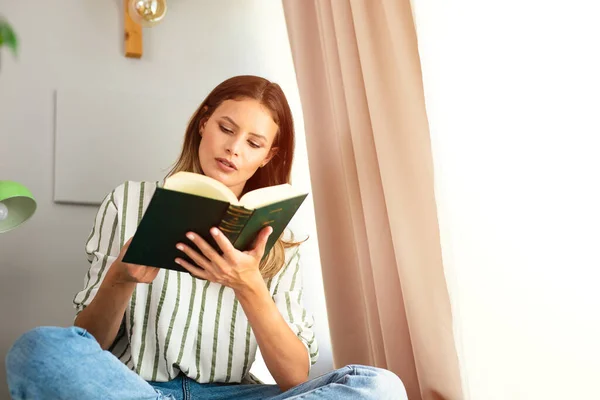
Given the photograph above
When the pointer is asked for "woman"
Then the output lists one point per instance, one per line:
(173, 335)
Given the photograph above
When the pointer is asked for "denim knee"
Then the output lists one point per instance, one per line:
(36, 346)
(384, 383)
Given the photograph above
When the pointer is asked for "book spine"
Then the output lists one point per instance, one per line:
(234, 221)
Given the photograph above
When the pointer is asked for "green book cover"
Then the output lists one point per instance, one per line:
(172, 213)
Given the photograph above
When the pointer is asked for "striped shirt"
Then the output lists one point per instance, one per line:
(178, 322)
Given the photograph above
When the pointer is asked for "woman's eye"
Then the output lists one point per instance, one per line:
(254, 144)
(225, 129)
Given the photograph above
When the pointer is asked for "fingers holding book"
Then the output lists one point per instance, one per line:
(234, 268)
(258, 248)
(202, 268)
(196, 271)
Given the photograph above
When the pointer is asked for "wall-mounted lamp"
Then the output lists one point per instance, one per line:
(138, 14)
(147, 12)
(17, 205)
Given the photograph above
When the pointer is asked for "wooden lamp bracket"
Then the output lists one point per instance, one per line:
(133, 35)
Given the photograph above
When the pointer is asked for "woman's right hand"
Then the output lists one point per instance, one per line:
(132, 273)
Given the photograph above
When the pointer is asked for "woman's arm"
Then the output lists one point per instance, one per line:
(284, 354)
(110, 284)
(102, 317)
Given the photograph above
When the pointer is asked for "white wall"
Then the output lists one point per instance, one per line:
(513, 96)
(78, 44)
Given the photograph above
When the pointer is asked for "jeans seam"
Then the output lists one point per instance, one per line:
(185, 387)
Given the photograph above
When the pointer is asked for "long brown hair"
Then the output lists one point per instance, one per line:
(276, 172)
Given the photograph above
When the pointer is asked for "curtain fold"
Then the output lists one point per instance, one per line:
(367, 135)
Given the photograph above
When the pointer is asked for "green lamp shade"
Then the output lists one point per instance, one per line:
(17, 205)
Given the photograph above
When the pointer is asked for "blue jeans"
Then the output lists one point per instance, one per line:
(68, 363)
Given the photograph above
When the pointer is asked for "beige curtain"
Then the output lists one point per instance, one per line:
(359, 75)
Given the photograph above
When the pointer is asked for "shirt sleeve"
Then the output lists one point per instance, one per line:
(102, 249)
(288, 295)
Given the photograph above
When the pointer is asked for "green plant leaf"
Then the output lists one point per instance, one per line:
(8, 37)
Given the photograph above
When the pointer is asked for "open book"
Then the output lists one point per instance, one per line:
(194, 202)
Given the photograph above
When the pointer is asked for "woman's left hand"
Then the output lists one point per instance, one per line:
(235, 269)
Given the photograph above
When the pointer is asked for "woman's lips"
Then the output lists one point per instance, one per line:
(226, 165)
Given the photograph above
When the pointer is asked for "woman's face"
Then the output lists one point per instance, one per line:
(236, 141)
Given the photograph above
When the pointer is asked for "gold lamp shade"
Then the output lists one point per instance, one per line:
(147, 12)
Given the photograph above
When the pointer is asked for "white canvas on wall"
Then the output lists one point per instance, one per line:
(103, 138)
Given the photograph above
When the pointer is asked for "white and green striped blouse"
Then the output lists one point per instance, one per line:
(178, 322)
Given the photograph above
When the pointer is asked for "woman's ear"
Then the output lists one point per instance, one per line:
(203, 121)
(202, 126)
(270, 156)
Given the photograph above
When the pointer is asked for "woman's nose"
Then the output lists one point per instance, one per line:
(233, 146)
